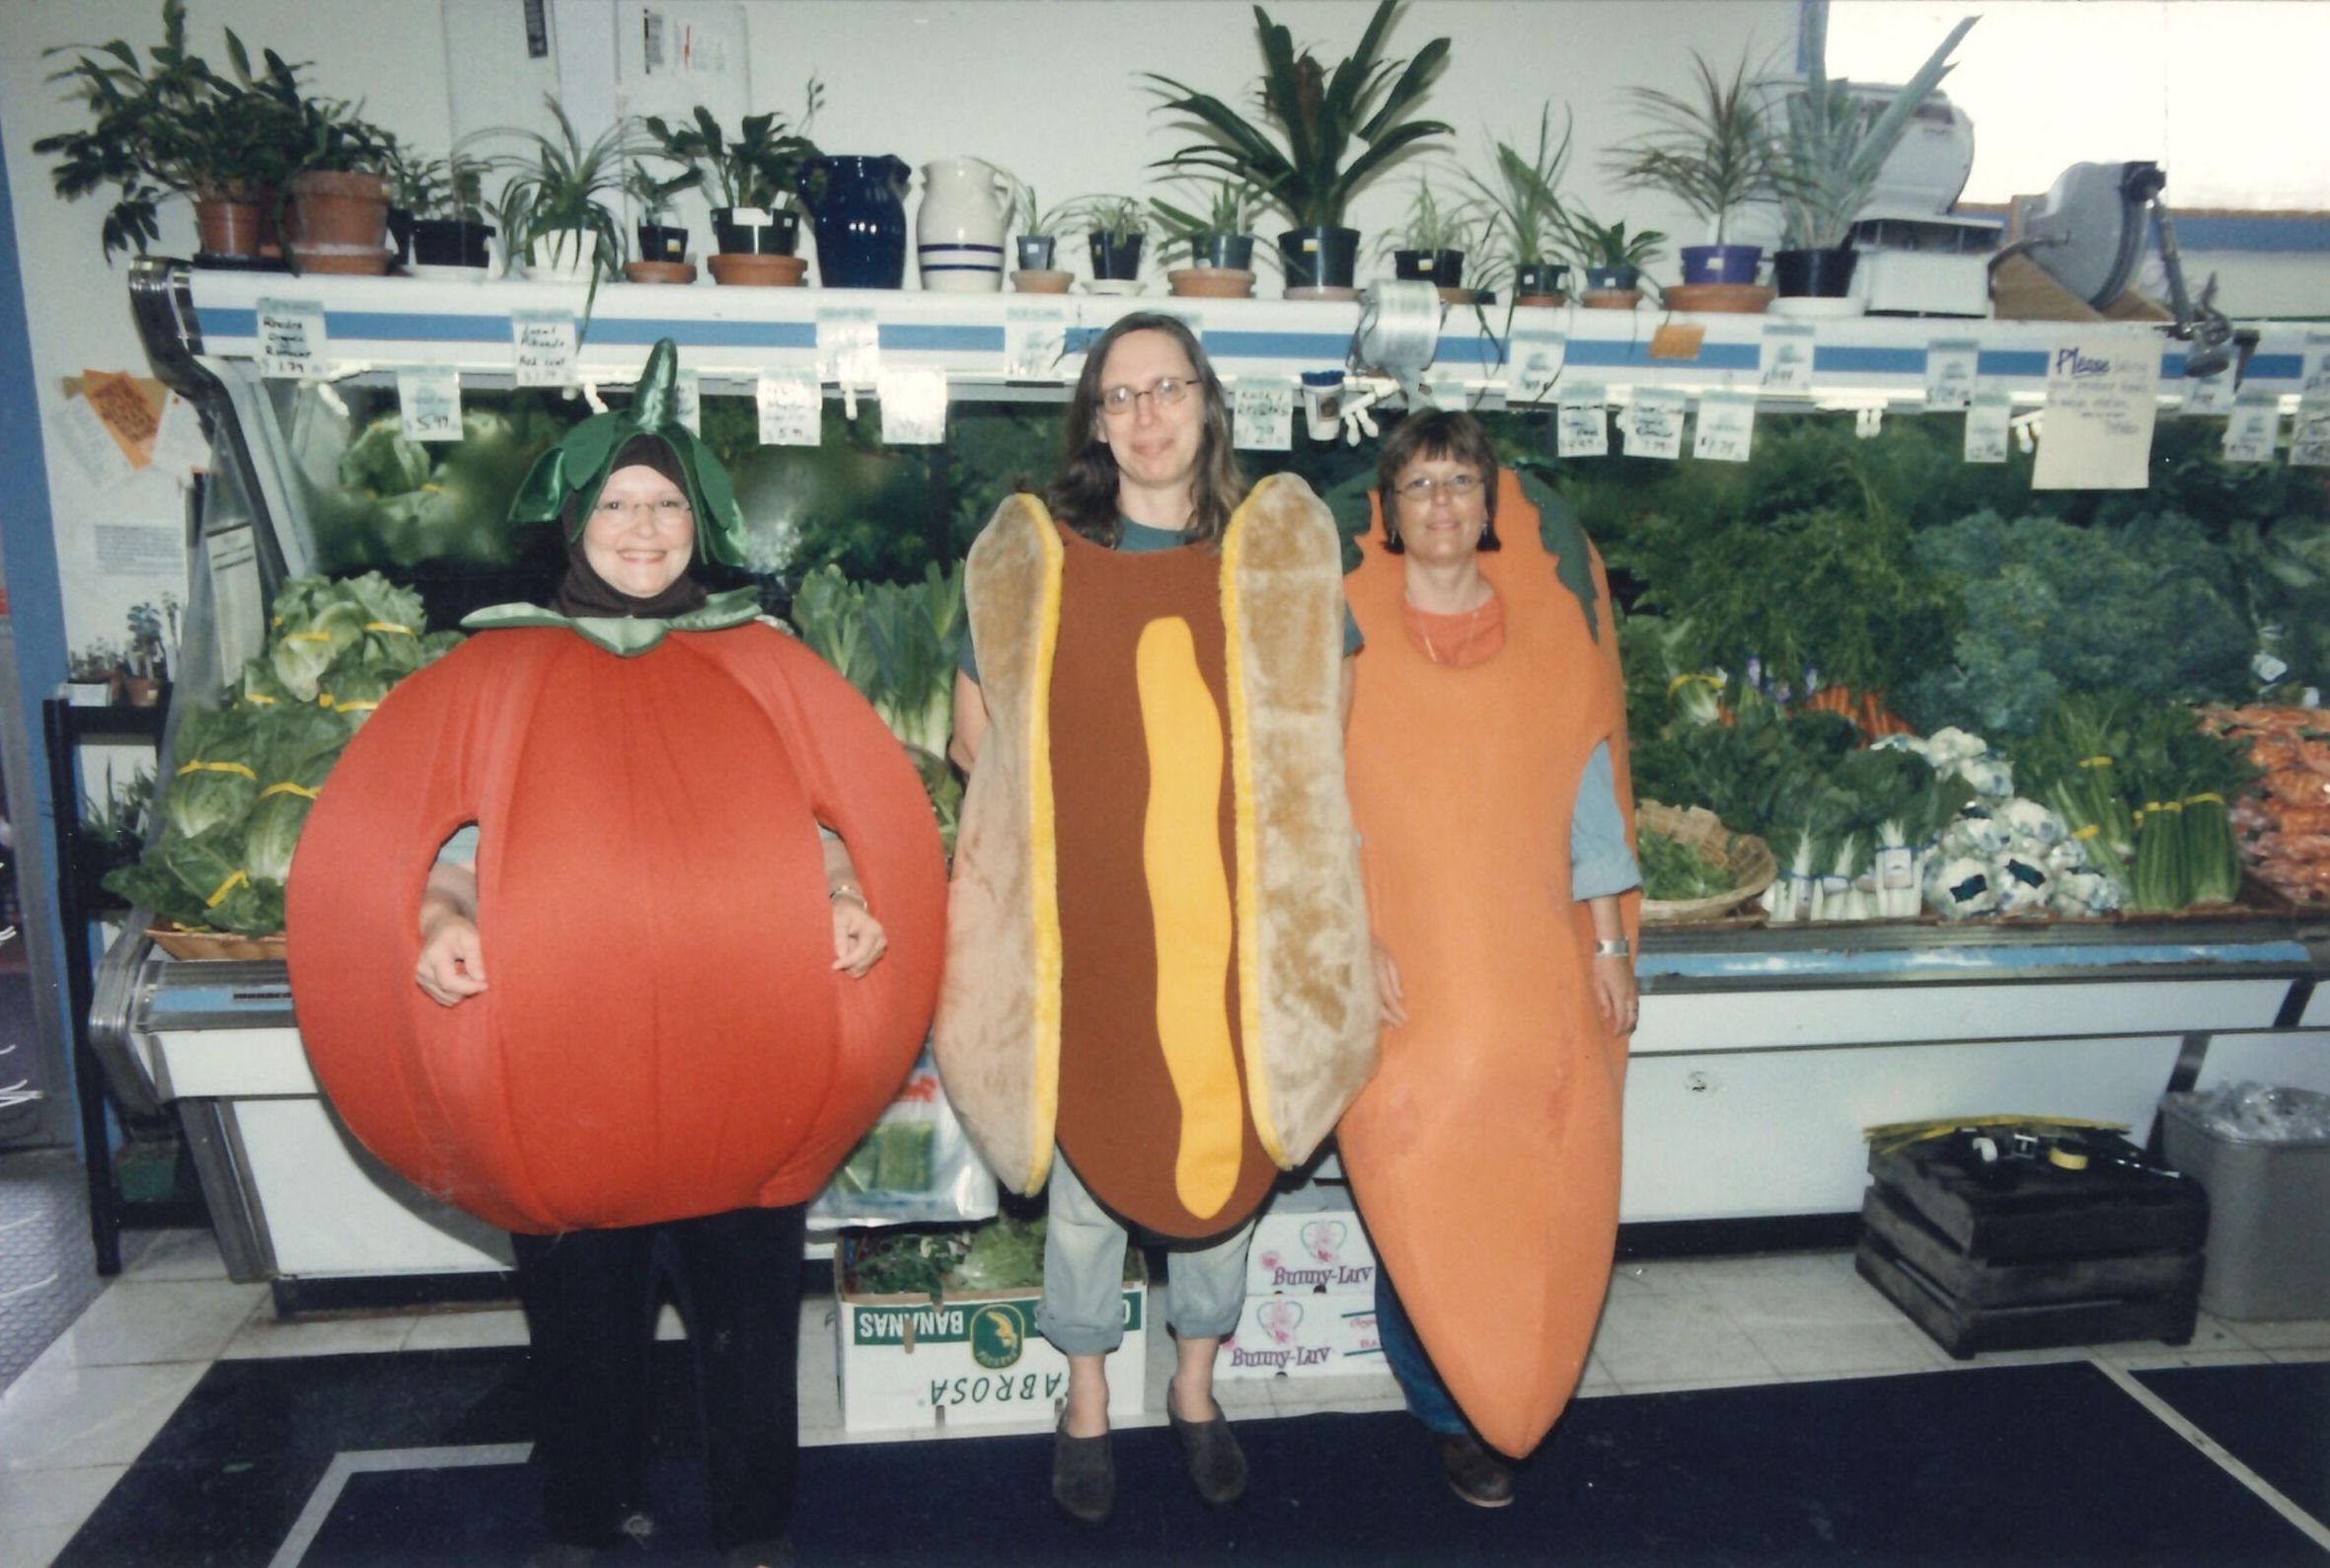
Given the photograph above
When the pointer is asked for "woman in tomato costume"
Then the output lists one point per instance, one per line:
(617, 926)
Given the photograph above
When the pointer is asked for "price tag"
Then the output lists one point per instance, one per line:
(1582, 426)
(1786, 358)
(1538, 354)
(1950, 372)
(180, 449)
(2309, 437)
(428, 400)
(2315, 376)
(2251, 429)
(687, 399)
(791, 402)
(914, 406)
(544, 343)
(1653, 422)
(1727, 427)
(1035, 340)
(1262, 415)
(291, 339)
(848, 345)
(1986, 418)
(2210, 394)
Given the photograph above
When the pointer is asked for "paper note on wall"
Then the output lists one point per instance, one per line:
(129, 410)
(2102, 394)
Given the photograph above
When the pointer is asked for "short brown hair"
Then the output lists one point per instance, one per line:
(1431, 436)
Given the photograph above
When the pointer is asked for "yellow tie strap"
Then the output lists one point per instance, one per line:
(387, 626)
(288, 788)
(238, 879)
(2211, 798)
(217, 767)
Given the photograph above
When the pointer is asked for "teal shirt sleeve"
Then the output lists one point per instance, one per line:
(462, 847)
(1600, 864)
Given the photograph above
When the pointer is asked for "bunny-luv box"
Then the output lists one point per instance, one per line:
(1303, 1336)
(1310, 1242)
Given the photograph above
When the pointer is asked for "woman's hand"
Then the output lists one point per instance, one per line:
(452, 966)
(1390, 995)
(858, 937)
(1613, 992)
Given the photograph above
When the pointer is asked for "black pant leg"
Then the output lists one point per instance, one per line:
(590, 1319)
(741, 1275)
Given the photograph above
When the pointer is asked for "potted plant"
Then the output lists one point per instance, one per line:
(753, 181)
(1309, 169)
(1612, 259)
(554, 209)
(1712, 152)
(337, 219)
(1430, 246)
(166, 125)
(663, 245)
(1220, 235)
(1833, 144)
(445, 203)
(1116, 226)
(1038, 241)
(1524, 202)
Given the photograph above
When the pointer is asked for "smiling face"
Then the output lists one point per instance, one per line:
(1442, 528)
(1156, 443)
(642, 534)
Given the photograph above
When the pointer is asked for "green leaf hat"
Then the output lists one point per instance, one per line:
(576, 468)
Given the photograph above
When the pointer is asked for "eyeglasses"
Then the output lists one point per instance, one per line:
(1423, 487)
(1117, 402)
(662, 510)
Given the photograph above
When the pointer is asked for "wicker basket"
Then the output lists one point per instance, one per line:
(180, 943)
(1746, 856)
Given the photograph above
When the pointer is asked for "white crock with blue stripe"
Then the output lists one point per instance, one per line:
(959, 232)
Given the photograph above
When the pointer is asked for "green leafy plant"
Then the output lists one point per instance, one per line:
(452, 188)
(1308, 168)
(1031, 217)
(1525, 199)
(1833, 142)
(1593, 243)
(759, 167)
(1711, 152)
(1229, 208)
(563, 185)
(652, 194)
(1117, 217)
(1429, 227)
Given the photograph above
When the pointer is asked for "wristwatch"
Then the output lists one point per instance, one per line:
(1610, 947)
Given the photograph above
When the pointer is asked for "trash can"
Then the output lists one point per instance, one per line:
(2262, 1153)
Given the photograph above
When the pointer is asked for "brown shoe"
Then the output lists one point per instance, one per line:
(1479, 1476)
(1216, 1464)
(1084, 1475)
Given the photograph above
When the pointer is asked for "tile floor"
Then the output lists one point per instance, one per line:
(76, 1418)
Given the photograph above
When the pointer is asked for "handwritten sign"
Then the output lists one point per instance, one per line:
(1653, 424)
(543, 343)
(1582, 425)
(1726, 430)
(1987, 420)
(428, 401)
(848, 345)
(2251, 429)
(2309, 437)
(291, 339)
(1786, 358)
(2210, 394)
(2102, 394)
(914, 406)
(1035, 340)
(1950, 372)
(1538, 353)
(1262, 415)
(791, 403)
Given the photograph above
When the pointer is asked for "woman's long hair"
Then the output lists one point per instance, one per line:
(1084, 496)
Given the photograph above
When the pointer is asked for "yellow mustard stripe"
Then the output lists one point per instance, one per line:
(1247, 834)
(217, 767)
(288, 788)
(1189, 910)
(237, 879)
(1044, 850)
(387, 626)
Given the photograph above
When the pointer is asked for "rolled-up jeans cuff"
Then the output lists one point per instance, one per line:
(1075, 1339)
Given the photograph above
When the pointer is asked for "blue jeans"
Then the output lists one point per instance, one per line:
(1427, 1396)
(1083, 1308)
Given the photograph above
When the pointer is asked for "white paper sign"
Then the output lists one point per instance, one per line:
(2210, 394)
(2309, 437)
(82, 433)
(687, 396)
(2251, 429)
(914, 406)
(1727, 427)
(1950, 372)
(848, 345)
(2102, 394)
(1035, 340)
(1262, 415)
(292, 341)
(791, 402)
(180, 449)
(543, 344)
(1538, 354)
(1653, 422)
(1986, 418)
(1786, 357)
(2314, 376)
(428, 400)
(1582, 426)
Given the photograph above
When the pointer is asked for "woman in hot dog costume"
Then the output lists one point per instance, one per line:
(1157, 991)
(640, 1007)
(1488, 777)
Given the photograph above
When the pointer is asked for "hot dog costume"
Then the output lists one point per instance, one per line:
(1484, 1153)
(663, 1035)
(1157, 938)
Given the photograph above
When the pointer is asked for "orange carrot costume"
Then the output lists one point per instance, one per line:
(1484, 1153)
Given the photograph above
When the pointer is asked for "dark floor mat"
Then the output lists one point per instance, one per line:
(2275, 1419)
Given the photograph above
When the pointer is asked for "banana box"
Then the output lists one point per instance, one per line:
(1303, 1336)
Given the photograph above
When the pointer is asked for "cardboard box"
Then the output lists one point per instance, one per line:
(971, 1358)
(1303, 1336)
(1310, 1240)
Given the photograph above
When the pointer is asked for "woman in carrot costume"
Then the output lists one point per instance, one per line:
(1487, 769)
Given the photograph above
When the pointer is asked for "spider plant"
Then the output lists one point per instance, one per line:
(561, 185)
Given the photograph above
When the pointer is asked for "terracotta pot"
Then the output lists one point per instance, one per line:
(1613, 299)
(1211, 282)
(228, 227)
(767, 271)
(1041, 280)
(663, 273)
(339, 222)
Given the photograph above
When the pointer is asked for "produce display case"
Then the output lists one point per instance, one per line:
(1761, 1052)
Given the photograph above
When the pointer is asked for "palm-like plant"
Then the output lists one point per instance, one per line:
(1525, 198)
(1834, 143)
(1309, 169)
(563, 183)
(1711, 153)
